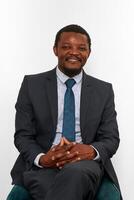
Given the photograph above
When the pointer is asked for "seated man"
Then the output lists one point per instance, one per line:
(66, 129)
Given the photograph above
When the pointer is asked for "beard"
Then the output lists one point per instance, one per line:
(71, 71)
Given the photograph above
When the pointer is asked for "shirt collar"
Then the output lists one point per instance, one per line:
(63, 78)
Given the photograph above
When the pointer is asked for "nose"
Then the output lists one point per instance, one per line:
(74, 51)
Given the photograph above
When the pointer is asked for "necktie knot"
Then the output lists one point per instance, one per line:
(70, 83)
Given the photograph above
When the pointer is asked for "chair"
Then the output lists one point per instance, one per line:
(107, 191)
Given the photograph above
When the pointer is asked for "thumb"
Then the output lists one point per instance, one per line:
(66, 141)
(61, 142)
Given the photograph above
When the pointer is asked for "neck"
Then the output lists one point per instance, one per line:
(70, 72)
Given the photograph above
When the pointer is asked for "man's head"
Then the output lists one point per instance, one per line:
(72, 47)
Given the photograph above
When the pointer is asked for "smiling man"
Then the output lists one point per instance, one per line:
(66, 129)
(72, 51)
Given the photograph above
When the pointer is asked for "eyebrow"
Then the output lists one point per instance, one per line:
(81, 44)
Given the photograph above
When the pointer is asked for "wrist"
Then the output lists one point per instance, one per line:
(42, 160)
(93, 153)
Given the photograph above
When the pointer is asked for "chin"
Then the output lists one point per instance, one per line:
(71, 71)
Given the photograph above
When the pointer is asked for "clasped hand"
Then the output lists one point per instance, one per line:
(66, 152)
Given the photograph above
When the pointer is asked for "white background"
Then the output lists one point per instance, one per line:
(27, 32)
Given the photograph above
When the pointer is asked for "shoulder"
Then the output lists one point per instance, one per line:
(40, 76)
(99, 87)
(35, 81)
(96, 82)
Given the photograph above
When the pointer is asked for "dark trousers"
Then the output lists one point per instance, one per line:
(75, 181)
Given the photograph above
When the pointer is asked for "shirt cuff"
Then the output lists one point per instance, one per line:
(36, 161)
(98, 155)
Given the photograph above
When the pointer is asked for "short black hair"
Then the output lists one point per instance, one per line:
(72, 28)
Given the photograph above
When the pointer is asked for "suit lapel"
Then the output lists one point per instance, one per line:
(52, 95)
(86, 102)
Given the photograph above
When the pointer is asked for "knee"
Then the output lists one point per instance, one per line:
(74, 170)
(85, 168)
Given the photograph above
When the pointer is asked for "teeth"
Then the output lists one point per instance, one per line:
(72, 60)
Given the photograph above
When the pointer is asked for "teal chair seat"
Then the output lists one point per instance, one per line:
(107, 191)
(19, 193)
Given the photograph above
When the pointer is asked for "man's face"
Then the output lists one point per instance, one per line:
(72, 51)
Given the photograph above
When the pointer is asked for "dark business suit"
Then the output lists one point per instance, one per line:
(36, 120)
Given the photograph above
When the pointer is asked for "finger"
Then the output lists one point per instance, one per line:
(68, 157)
(61, 141)
(63, 148)
(60, 147)
(76, 160)
(61, 163)
(85, 156)
(69, 146)
(71, 159)
(50, 164)
(66, 141)
(71, 155)
(53, 148)
(60, 155)
(78, 156)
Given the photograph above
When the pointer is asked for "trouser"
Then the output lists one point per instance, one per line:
(75, 181)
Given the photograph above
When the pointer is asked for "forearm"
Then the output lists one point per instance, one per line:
(28, 148)
(106, 148)
(107, 136)
(25, 130)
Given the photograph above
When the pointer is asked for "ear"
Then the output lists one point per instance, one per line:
(55, 50)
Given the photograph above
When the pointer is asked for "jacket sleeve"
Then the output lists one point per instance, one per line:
(25, 131)
(107, 139)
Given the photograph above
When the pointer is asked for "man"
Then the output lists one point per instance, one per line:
(66, 129)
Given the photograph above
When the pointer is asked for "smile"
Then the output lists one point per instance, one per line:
(72, 59)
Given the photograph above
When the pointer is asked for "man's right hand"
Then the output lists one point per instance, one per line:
(57, 153)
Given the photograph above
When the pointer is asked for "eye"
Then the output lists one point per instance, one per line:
(66, 47)
(82, 48)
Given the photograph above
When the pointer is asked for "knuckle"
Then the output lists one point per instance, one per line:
(53, 157)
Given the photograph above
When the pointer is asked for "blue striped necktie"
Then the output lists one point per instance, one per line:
(69, 112)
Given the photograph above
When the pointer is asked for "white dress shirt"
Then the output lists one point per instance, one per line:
(61, 88)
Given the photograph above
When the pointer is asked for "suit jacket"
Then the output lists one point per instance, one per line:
(36, 120)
